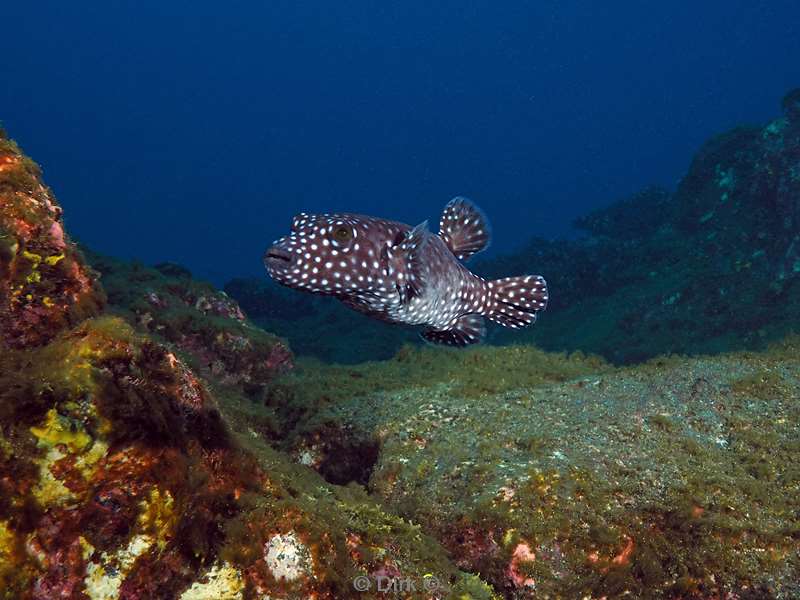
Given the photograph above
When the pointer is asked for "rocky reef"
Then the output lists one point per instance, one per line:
(713, 266)
(131, 465)
(563, 477)
(202, 324)
(45, 284)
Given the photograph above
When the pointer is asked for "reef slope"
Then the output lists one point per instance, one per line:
(712, 267)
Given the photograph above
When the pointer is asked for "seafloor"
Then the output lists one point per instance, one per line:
(642, 441)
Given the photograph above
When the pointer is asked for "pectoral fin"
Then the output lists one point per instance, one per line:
(404, 263)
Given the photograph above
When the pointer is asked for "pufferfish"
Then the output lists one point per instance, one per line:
(408, 275)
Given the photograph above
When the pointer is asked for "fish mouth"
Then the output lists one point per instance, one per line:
(277, 258)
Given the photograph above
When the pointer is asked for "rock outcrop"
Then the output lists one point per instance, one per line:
(713, 267)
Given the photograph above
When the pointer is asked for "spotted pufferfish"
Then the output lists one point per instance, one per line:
(408, 275)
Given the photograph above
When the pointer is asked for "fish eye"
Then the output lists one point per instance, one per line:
(342, 234)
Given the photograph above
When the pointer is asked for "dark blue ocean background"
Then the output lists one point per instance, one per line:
(191, 132)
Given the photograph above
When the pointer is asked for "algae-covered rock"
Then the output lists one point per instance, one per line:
(713, 267)
(125, 474)
(675, 479)
(44, 282)
(203, 324)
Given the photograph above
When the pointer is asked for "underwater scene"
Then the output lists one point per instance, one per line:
(457, 300)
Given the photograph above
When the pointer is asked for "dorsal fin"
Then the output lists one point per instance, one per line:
(464, 228)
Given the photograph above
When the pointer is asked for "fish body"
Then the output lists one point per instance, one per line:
(408, 275)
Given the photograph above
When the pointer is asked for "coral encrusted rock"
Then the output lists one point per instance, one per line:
(44, 282)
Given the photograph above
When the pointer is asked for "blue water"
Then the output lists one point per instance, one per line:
(192, 132)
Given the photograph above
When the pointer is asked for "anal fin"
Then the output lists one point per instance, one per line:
(469, 329)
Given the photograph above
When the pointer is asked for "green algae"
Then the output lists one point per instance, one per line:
(43, 276)
(8, 248)
(24, 173)
(762, 386)
(312, 507)
(674, 477)
(548, 493)
(92, 384)
(475, 372)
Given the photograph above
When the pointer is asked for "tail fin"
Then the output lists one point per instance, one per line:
(516, 300)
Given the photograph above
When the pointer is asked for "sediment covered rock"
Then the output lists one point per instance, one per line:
(675, 479)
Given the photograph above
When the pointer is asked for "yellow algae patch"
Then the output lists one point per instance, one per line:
(55, 434)
(7, 554)
(155, 524)
(104, 579)
(158, 516)
(49, 490)
(6, 541)
(54, 260)
(34, 258)
(87, 461)
(156, 521)
(509, 537)
(223, 582)
(5, 447)
(58, 429)
(86, 548)
(108, 337)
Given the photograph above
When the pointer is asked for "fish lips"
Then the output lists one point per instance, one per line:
(277, 260)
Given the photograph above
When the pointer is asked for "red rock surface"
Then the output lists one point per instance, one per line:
(45, 284)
